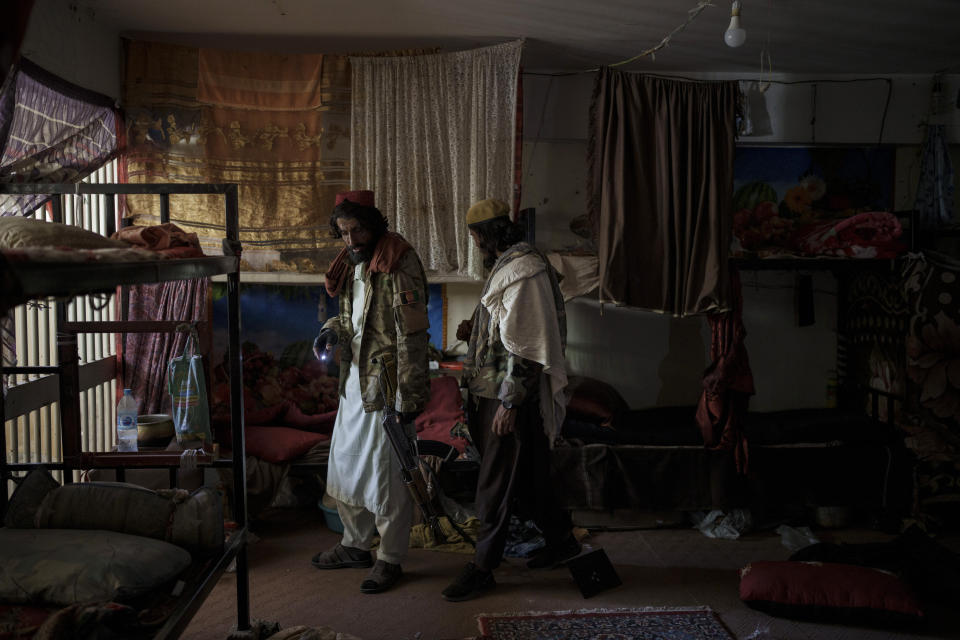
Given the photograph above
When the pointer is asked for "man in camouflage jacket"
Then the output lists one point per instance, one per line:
(382, 322)
(516, 374)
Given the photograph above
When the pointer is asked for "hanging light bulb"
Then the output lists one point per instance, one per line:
(735, 35)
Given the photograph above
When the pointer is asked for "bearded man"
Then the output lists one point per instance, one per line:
(515, 373)
(382, 322)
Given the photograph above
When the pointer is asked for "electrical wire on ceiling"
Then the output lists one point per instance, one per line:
(814, 81)
(762, 85)
(691, 16)
(528, 159)
(813, 113)
(765, 62)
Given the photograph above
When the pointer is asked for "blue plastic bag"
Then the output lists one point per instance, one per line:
(188, 395)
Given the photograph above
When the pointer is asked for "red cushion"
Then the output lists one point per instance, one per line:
(592, 400)
(443, 410)
(280, 444)
(264, 415)
(823, 590)
(319, 423)
(19, 620)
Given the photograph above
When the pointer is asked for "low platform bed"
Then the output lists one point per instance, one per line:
(655, 459)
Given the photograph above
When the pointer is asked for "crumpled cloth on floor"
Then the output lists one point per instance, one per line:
(717, 524)
(421, 536)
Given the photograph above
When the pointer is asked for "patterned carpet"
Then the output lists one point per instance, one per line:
(685, 623)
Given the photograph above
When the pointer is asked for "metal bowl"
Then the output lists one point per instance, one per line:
(154, 430)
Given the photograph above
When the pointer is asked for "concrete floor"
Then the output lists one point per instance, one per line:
(658, 568)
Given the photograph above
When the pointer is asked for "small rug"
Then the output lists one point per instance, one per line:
(681, 623)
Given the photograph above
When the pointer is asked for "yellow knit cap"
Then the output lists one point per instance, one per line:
(487, 210)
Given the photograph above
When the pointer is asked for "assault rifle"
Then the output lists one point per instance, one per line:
(405, 449)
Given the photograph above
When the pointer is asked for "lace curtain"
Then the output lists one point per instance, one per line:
(431, 135)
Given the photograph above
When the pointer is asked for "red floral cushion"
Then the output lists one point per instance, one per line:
(828, 591)
(280, 444)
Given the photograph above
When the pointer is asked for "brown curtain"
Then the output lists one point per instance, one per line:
(278, 125)
(660, 189)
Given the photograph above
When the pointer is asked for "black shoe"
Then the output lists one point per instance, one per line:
(471, 582)
(552, 556)
(383, 576)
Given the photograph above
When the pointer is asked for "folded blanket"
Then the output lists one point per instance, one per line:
(164, 238)
(871, 234)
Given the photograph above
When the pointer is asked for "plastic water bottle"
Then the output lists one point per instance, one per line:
(127, 422)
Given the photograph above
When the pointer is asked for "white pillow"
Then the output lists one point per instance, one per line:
(191, 520)
(18, 232)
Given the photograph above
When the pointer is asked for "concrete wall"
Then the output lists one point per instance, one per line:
(651, 359)
(72, 42)
(656, 360)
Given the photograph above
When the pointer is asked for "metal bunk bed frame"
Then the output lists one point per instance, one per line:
(51, 280)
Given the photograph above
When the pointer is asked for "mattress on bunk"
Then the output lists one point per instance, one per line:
(25, 239)
(193, 520)
(93, 545)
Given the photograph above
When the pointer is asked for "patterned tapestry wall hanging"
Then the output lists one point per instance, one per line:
(276, 124)
(874, 323)
(933, 381)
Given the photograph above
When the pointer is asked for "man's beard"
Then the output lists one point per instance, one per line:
(362, 254)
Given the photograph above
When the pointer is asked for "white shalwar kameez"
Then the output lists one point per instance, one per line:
(363, 474)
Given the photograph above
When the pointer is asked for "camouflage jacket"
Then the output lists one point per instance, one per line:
(395, 326)
(490, 370)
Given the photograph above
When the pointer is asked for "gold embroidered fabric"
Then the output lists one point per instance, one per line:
(289, 162)
(257, 80)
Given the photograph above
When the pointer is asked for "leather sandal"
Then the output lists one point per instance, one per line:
(341, 557)
(383, 576)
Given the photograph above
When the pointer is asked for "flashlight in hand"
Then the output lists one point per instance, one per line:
(324, 343)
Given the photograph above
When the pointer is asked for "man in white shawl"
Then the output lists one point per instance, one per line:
(515, 373)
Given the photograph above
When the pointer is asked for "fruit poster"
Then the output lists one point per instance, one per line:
(283, 383)
(794, 200)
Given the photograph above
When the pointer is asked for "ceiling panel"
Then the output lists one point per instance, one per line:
(802, 36)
